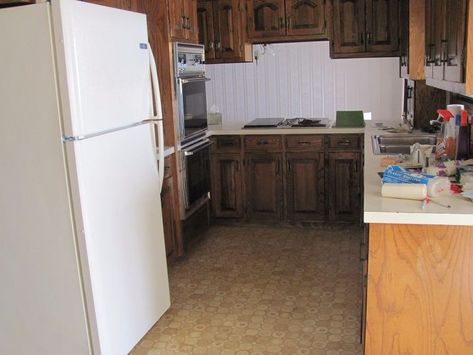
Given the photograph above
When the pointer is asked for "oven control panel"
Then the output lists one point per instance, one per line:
(189, 60)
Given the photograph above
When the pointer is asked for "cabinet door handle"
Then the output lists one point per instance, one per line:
(218, 45)
(303, 142)
(183, 22)
(362, 39)
(277, 167)
(344, 143)
(237, 167)
(289, 22)
(281, 23)
(211, 45)
(289, 167)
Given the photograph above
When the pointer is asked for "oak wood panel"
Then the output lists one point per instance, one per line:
(344, 186)
(192, 34)
(177, 19)
(348, 26)
(420, 290)
(227, 185)
(266, 18)
(264, 185)
(382, 25)
(469, 49)
(416, 40)
(305, 186)
(306, 17)
(227, 28)
(438, 12)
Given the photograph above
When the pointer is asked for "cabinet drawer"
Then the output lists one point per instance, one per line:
(168, 166)
(344, 141)
(263, 143)
(226, 144)
(305, 142)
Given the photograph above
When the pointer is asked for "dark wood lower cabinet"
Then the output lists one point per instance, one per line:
(227, 185)
(305, 186)
(311, 178)
(264, 185)
(344, 186)
(169, 220)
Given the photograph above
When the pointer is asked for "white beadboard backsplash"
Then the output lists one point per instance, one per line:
(300, 80)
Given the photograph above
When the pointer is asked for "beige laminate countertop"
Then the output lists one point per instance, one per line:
(217, 130)
(378, 209)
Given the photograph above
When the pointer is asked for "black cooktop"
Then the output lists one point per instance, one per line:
(285, 122)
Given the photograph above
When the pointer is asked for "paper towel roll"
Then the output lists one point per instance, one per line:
(406, 191)
(455, 109)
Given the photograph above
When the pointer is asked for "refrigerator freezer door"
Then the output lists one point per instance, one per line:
(103, 66)
(117, 190)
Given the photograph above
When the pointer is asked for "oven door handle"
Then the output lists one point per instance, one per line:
(197, 147)
(193, 80)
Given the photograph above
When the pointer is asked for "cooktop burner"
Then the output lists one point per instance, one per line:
(302, 122)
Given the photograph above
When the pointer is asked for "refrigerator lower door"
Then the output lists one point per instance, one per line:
(118, 211)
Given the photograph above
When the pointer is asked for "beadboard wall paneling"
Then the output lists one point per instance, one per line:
(300, 80)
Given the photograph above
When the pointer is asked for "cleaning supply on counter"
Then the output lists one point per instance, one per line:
(439, 186)
(441, 168)
(446, 148)
(463, 144)
(404, 191)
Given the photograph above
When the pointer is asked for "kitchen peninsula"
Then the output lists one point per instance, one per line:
(418, 271)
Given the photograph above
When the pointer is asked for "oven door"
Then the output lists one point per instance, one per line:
(192, 102)
(196, 173)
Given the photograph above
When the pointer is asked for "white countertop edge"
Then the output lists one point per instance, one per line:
(445, 219)
(215, 131)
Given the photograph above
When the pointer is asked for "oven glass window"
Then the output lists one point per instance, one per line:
(198, 171)
(195, 107)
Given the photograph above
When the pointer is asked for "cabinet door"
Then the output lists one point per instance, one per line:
(119, 4)
(177, 19)
(404, 39)
(348, 26)
(206, 28)
(190, 14)
(382, 26)
(455, 30)
(227, 28)
(306, 17)
(305, 186)
(227, 185)
(438, 37)
(429, 39)
(169, 221)
(266, 18)
(344, 186)
(264, 186)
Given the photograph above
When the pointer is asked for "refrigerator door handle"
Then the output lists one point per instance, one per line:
(159, 117)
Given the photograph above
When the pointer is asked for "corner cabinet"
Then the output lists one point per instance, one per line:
(296, 178)
(222, 29)
(183, 20)
(286, 20)
(365, 28)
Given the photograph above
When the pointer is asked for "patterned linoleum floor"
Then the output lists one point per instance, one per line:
(264, 290)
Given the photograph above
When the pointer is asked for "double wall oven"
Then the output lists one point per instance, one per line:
(189, 61)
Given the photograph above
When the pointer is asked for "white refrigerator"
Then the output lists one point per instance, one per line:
(82, 260)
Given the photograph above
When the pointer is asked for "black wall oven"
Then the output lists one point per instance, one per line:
(190, 92)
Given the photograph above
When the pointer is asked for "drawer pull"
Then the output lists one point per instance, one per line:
(345, 142)
(303, 143)
(262, 142)
(227, 143)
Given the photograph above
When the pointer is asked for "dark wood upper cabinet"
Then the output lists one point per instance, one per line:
(382, 25)
(286, 20)
(305, 186)
(119, 4)
(305, 17)
(365, 28)
(222, 31)
(404, 39)
(266, 18)
(264, 185)
(183, 20)
(455, 33)
(445, 43)
(348, 27)
(206, 28)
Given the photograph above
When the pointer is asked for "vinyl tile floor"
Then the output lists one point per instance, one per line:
(253, 289)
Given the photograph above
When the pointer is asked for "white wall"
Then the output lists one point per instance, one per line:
(301, 80)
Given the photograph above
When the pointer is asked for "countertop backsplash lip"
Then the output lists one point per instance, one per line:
(301, 80)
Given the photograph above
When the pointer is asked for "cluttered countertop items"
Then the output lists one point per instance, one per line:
(432, 184)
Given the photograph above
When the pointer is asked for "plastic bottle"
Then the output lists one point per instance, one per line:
(463, 143)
